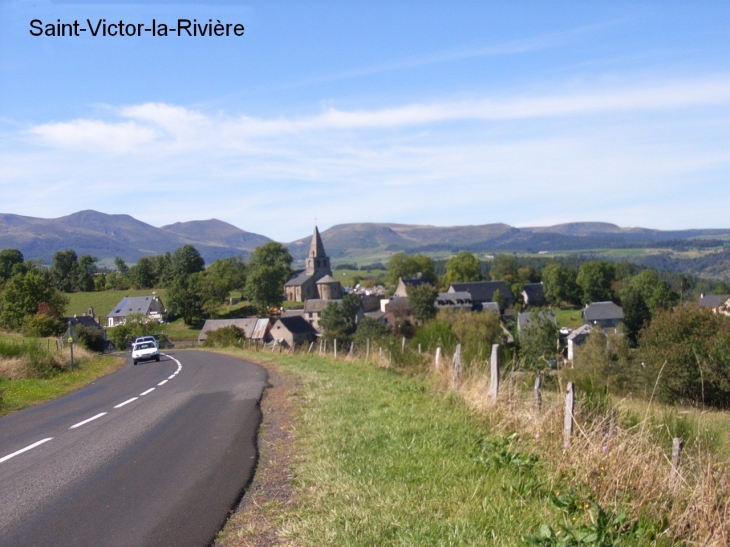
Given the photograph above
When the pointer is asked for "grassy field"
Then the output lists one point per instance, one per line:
(22, 393)
(104, 301)
(384, 459)
(569, 318)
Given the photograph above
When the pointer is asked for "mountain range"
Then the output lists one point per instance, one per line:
(109, 236)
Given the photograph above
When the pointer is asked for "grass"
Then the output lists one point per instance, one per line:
(569, 318)
(24, 392)
(384, 459)
(104, 301)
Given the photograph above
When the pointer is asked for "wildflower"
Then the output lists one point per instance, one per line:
(537, 435)
(605, 448)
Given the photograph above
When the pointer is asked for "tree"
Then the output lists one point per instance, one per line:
(371, 329)
(184, 298)
(636, 313)
(228, 273)
(500, 299)
(268, 269)
(655, 291)
(408, 266)
(84, 281)
(504, 267)
(64, 270)
(539, 342)
(594, 279)
(462, 268)
(339, 318)
(8, 259)
(186, 261)
(559, 284)
(421, 299)
(23, 295)
(686, 352)
(142, 274)
(122, 267)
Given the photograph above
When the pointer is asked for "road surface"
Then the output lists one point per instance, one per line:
(154, 454)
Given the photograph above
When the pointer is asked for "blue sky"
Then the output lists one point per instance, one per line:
(443, 113)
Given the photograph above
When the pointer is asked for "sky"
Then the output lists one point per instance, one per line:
(443, 113)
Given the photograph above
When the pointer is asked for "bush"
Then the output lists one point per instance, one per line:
(224, 337)
(41, 325)
(91, 338)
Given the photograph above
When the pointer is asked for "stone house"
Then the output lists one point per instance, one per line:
(148, 306)
(288, 331)
(603, 314)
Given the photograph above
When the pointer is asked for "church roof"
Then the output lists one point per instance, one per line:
(327, 279)
(299, 279)
(316, 248)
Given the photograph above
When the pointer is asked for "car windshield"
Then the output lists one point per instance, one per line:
(145, 345)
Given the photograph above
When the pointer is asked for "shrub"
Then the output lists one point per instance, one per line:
(224, 337)
(91, 338)
(41, 325)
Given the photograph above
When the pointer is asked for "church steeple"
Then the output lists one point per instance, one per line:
(317, 264)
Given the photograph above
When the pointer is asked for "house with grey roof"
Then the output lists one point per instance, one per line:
(288, 331)
(719, 303)
(404, 284)
(246, 324)
(483, 291)
(576, 338)
(533, 294)
(148, 306)
(603, 314)
(454, 301)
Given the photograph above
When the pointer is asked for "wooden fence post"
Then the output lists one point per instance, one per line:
(494, 377)
(538, 393)
(367, 348)
(677, 446)
(352, 350)
(403, 345)
(568, 417)
(419, 349)
(457, 366)
(437, 359)
(335, 348)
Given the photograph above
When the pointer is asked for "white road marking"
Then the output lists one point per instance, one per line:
(162, 383)
(170, 377)
(150, 390)
(120, 405)
(87, 420)
(30, 447)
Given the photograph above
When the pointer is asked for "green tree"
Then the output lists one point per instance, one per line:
(23, 295)
(339, 318)
(163, 269)
(594, 279)
(186, 260)
(559, 284)
(500, 299)
(268, 269)
(184, 298)
(9, 258)
(421, 299)
(655, 291)
(686, 352)
(122, 267)
(538, 342)
(142, 274)
(84, 280)
(408, 266)
(462, 268)
(504, 267)
(134, 326)
(636, 313)
(228, 273)
(373, 330)
(64, 270)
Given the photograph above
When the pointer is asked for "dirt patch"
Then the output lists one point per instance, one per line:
(256, 521)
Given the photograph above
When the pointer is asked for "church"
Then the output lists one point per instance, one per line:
(316, 281)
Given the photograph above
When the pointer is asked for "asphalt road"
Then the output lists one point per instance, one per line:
(154, 454)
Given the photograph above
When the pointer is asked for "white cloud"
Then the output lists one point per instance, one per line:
(493, 159)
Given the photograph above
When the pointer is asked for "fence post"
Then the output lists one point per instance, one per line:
(325, 346)
(381, 352)
(419, 349)
(352, 350)
(367, 348)
(457, 366)
(494, 369)
(403, 345)
(677, 446)
(310, 348)
(437, 359)
(568, 417)
(538, 393)
(335, 348)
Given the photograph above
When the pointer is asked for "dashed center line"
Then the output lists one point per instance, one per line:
(29, 447)
(87, 420)
(162, 383)
(120, 405)
(150, 390)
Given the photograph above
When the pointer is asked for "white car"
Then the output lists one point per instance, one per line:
(145, 339)
(145, 351)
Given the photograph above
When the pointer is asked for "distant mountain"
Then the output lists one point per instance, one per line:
(108, 236)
